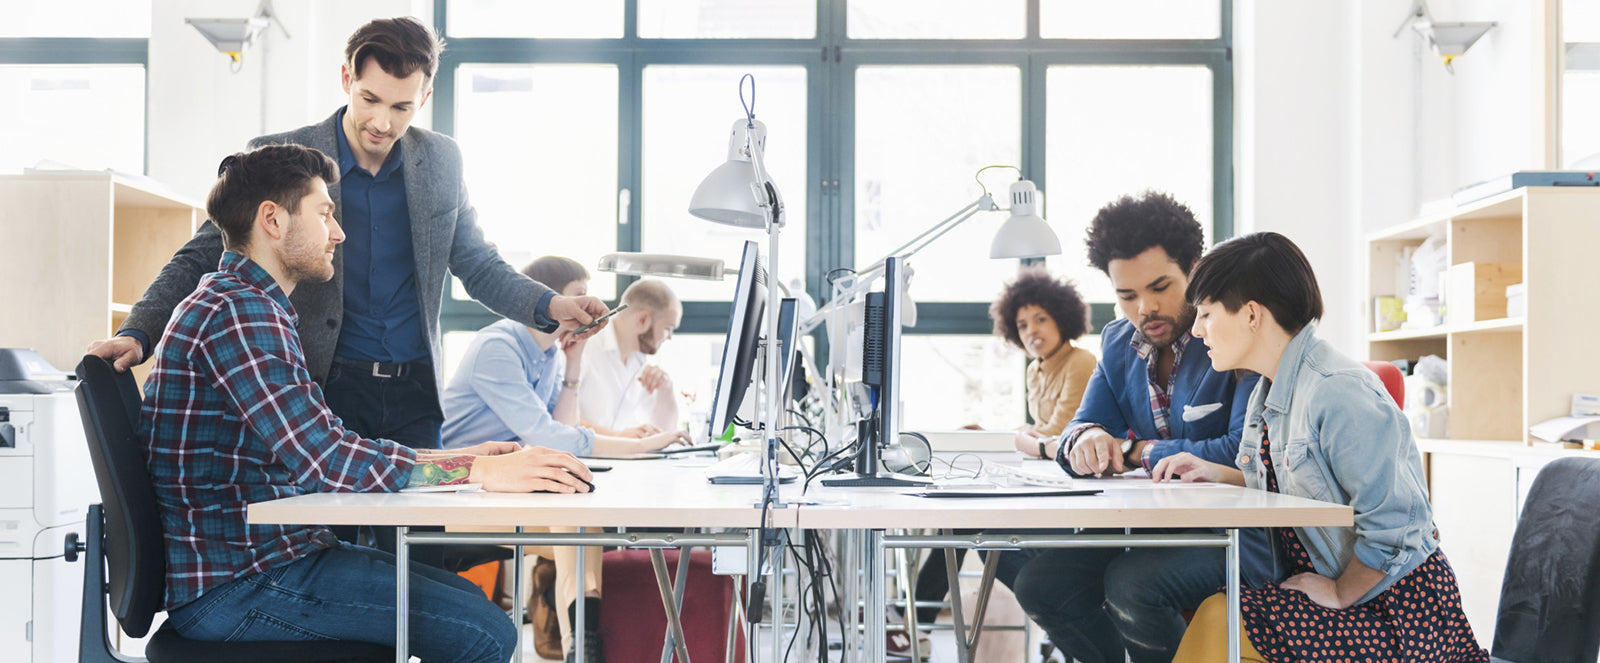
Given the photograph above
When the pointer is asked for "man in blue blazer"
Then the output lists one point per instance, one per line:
(1152, 395)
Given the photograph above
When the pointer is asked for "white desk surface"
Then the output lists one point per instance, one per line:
(648, 493)
(1125, 502)
(674, 493)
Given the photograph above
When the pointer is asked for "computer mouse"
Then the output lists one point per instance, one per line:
(586, 483)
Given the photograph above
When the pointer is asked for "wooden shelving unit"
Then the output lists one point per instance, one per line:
(82, 247)
(1505, 373)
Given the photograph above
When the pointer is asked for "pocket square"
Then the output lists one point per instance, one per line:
(1198, 412)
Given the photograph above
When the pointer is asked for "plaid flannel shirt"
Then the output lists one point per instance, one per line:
(232, 417)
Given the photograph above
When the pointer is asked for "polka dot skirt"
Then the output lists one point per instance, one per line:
(1417, 619)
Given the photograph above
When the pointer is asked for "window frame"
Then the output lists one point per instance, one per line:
(23, 51)
(831, 59)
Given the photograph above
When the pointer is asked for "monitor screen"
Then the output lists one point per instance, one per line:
(739, 346)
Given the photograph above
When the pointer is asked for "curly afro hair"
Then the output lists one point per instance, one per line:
(1130, 226)
(1037, 287)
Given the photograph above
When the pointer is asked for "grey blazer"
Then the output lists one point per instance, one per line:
(444, 235)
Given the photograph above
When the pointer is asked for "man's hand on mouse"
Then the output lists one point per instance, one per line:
(531, 469)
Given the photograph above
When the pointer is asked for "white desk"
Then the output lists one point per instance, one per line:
(675, 494)
(664, 493)
(1124, 503)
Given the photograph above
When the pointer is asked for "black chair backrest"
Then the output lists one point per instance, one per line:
(136, 563)
(1550, 599)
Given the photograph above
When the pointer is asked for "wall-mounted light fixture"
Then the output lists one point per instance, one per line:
(231, 36)
(1448, 40)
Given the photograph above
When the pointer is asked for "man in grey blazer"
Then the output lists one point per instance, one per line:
(371, 334)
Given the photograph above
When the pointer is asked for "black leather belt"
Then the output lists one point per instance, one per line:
(377, 369)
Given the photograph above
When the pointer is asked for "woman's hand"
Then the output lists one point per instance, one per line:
(1027, 441)
(1188, 467)
(572, 347)
(1321, 590)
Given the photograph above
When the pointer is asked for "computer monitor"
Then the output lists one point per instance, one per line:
(788, 351)
(880, 369)
(740, 345)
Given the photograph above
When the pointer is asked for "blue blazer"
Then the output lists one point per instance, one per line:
(1207, 411)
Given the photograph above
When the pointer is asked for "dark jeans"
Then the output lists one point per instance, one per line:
(1097, 604)
(404, 409)
(348, 593)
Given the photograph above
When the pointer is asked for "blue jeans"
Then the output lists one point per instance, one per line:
(1098, 604)
(348, 593)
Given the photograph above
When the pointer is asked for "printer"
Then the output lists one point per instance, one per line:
(46, 485)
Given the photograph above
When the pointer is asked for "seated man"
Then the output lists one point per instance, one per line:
(520, 384)
(623, 392)
(1152, 395)
(232, 417)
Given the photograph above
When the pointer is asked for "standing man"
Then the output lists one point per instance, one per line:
(623, 393)
(371, 333)
(1152, 395)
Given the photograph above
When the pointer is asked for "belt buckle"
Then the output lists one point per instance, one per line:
(377, 371)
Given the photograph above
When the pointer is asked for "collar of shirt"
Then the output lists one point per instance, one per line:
(608, 342)
(1146, 349)
(255, 276)
(347, 157)
(531, 349)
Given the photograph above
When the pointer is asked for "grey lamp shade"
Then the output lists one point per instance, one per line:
(229, 35)
(1025, 234)
(729, 196)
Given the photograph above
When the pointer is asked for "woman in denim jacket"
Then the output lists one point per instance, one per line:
(1319, 425)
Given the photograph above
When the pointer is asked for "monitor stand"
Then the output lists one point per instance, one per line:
(867, 474)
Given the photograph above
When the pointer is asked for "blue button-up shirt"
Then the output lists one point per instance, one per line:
(506, 389)
(382, 310)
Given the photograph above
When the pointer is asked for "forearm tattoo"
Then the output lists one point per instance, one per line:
(437, 471)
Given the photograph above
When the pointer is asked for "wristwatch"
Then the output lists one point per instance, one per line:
(1127, 445)
(570, 384)
(1041, 451)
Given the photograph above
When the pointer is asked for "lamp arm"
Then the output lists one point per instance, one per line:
(768, 195)
(865, 278)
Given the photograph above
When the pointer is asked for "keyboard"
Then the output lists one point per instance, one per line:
(744, 468)
(1050, 477)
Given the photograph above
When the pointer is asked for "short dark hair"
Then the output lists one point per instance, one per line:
(1265, 268)
(279, 173)
(1129, 226)
(400, 45)
(1037, 287)
(555, 272)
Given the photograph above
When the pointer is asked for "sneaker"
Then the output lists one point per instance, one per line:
(593, 651)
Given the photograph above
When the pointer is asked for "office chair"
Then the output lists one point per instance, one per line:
(125, 556)
(1392, 380)
(1550, 598)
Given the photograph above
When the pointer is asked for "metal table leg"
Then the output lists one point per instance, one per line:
(953, 571)
(517, 606)
(658, 562)
(402, 591)
(1233, 596)
(580, 619)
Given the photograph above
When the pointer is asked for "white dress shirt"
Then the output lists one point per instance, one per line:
(610, 395)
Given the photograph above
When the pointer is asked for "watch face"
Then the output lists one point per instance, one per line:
(1127, 445)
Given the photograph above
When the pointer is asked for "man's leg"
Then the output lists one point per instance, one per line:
(566, 558)
(1148, 589)
(404, 409)
(348, 593)
(1063, 591)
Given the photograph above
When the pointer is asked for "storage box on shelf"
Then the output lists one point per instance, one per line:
(1506, 372)
(81, 248)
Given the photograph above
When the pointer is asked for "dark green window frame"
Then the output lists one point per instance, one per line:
(830, 60)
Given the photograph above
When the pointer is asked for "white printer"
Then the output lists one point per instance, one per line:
(46, 485)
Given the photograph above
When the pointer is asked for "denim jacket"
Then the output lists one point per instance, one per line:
(1337, 437)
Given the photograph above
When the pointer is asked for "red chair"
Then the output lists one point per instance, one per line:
(1392, 380)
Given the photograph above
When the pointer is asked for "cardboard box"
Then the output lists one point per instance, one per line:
(1477, 290)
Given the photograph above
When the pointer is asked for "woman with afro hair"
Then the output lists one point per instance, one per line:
(1042, 315)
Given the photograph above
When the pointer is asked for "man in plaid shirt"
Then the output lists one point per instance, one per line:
(232, 416)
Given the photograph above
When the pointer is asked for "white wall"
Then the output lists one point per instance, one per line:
(201, 112)
(1345, 129)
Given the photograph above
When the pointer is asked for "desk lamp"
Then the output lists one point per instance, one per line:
(739, 193)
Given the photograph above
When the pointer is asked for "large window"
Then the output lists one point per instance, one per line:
(599, 118)
(73, 77)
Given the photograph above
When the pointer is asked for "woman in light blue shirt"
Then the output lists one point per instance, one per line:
(520, 384)
(1318, 425)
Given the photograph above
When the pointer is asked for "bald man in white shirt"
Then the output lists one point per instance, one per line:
(624, 393)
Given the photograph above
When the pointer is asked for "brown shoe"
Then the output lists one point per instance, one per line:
(546, 630)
